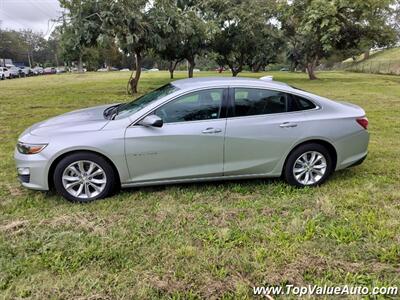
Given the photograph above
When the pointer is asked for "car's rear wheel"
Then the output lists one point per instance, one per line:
(84, 177)
(308, 165)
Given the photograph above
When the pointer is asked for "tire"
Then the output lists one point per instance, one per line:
(97, 181)
(302, 170)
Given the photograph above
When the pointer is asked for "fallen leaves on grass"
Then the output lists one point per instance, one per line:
(15, 226)
(87, 222)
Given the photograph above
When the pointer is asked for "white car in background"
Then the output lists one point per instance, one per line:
(4, 73)
(14, 71)
(154, 70)
(61, 70)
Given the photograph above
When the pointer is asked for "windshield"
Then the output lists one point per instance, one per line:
(141, 102)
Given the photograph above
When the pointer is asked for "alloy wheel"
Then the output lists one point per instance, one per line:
(84, 179)
(309, 168)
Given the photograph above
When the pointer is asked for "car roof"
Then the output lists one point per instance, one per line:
(192, 83)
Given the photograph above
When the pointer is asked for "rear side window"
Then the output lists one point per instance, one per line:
(297, 103)
(250, 102)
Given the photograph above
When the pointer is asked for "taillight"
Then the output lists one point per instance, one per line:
(363, 122)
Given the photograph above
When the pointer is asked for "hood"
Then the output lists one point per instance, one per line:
(88, 119)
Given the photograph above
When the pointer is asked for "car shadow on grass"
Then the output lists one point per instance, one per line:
(250, 184)
(244, 186)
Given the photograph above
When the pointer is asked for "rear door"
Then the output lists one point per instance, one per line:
(260, 129)
(188, 145)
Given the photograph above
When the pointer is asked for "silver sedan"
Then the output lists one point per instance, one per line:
(194, 130)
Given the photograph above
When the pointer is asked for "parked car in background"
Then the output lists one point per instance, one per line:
(125, 70)
(37, 70)
(49, 70)
(14, 71)
(154, 70)
(190, 130)
(108, 69)
(4, 73)
(25, 71)
(75, 70)
(61, 70)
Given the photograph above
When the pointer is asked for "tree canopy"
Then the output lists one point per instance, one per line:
(238, 34)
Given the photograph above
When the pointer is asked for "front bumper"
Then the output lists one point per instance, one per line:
(33, 170)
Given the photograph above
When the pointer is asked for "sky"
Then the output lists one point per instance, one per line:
(29, 14)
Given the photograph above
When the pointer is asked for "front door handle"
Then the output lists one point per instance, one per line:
(287, 125)
(211, 130)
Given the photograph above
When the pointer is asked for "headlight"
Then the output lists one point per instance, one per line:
(30, 148)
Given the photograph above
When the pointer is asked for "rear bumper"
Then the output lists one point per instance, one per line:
(358, 162)
(352, 150)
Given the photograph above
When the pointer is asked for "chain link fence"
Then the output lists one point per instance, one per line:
(391, 67)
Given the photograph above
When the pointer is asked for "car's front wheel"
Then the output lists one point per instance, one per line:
(84, 177)
(308, 165)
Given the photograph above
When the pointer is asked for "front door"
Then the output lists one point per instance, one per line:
(189, 144)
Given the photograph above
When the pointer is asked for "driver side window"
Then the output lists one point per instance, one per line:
(196, 106)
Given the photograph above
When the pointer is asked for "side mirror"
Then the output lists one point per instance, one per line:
(151, 121)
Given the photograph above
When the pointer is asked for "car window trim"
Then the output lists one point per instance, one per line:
(232, 102)
(135, 123)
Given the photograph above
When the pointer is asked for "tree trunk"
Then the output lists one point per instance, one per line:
(366, 54)
(56, 57)
(192, 64)
(171, 69)
(293, 66)
(80, 64)
(256, 67)
(311, 69)
(235, 71)
(133, 81)
(29, 60)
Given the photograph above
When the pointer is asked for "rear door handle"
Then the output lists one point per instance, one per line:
(287, 125)
(211, 130)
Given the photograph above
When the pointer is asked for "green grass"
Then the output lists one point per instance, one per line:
(199, 240)
(380, 62)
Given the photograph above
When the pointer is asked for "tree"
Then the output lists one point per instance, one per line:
(396, 19)
(243, 33)
(130, 23)
(53, 48)
(169, 24)
(194, 37)
(81, 28)
(25, 46)
(320, 27)
(268, 44)
(34, 43)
